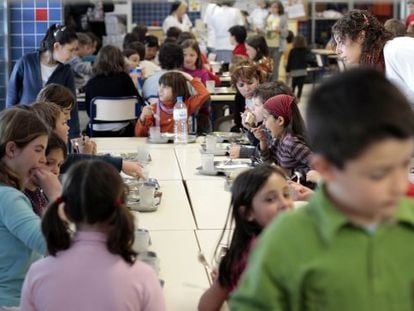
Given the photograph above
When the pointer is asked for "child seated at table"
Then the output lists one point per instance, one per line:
(258, 195)
(52, 115)
(260, 94)
(350, 247)
(56, 154)
(171, 85)
(288, 148)
(95, 268)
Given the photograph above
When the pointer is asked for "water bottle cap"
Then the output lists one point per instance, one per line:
(179, 98)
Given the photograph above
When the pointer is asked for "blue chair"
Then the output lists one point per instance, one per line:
(113, 109)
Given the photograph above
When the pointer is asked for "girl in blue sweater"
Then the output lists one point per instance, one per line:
(23, 141)
(47, 65)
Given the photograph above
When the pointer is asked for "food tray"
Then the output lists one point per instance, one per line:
(169, 138)
(224, 167)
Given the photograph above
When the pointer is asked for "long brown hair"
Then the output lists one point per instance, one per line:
(93, 193)
(20, 126)
(352, 24)
(109, 60)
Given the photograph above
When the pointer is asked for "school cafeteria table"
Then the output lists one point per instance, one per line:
(174, 212)
(210, 202)
(185, 278)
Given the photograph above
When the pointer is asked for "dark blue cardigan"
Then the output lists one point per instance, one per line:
(26, 82)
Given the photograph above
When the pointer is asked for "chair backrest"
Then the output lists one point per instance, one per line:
(114, 108)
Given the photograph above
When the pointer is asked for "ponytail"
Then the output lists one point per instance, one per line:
(55, 230)
(121, 236)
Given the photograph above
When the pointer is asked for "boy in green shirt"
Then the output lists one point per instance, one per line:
(352, 246)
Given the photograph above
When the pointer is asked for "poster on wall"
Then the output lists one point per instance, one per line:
(294, 8)
(194, 5)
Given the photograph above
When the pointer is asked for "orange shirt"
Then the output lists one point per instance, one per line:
(166, 119)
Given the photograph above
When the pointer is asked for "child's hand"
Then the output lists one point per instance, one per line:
(300, 192)
(234, 151)
(87, 146)
(259, 133)
(146, 112)
(48, 182)
(313, 176)
(133, 169)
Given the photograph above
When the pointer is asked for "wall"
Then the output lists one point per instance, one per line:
(27, 23)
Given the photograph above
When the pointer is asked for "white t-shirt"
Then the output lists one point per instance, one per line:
(399, 64)
(172, 21)
(221, 20)
(46, 71)
(211, 37)
(258, 18)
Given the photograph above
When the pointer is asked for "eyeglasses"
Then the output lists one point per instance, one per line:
(60, 28)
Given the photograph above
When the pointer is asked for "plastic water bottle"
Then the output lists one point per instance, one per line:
(180, 122)
(138, 73)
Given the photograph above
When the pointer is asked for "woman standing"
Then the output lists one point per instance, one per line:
(47, 65)
(362, 40)
(177, 18)
(276, 34)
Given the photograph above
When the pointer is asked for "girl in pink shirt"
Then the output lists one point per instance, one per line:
(94, 268)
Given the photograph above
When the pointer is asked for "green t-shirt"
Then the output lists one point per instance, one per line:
(314, 258)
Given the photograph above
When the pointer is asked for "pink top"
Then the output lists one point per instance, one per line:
(88, 277)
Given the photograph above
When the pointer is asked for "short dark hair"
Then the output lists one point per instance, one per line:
(129, 38)
(171, 56)
(299, 41)
(396, 27)
(138, 47)
(239, 33)
(173, 32)
(55, 142)
(259, 43)
(266, 90)
(151, 41)
(141, 31)
(93, 193)
(185, 35)
(353, 110)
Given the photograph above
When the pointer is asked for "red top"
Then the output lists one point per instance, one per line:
(240, 49)
(409, 20)
(166, 117)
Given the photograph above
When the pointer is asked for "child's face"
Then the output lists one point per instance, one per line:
(190, 58)
(349, 50)
(370, 186)
(150, 52)
(165, 93)
(274, 9)
(64, 52)
(258, 108)
(62, 128)
(232, 40)
(251, 51)
(246, 87)
(23, 161)
(274, 197)
(274, 125)
(66, 112)
(133, 61)
(54, 161)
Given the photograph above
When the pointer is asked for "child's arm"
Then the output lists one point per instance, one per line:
(196, 101)
(214, 297)
(145, 121)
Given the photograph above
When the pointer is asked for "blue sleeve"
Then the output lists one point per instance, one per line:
(14, 87)
(75, 157)
(18, 217)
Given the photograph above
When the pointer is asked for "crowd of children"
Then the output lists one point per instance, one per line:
(345, 250)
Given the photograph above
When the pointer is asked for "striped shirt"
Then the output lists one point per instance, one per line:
(289, 152)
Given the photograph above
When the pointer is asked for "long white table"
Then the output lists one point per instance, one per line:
(185, 278)
(210, 202)
(174, 212)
